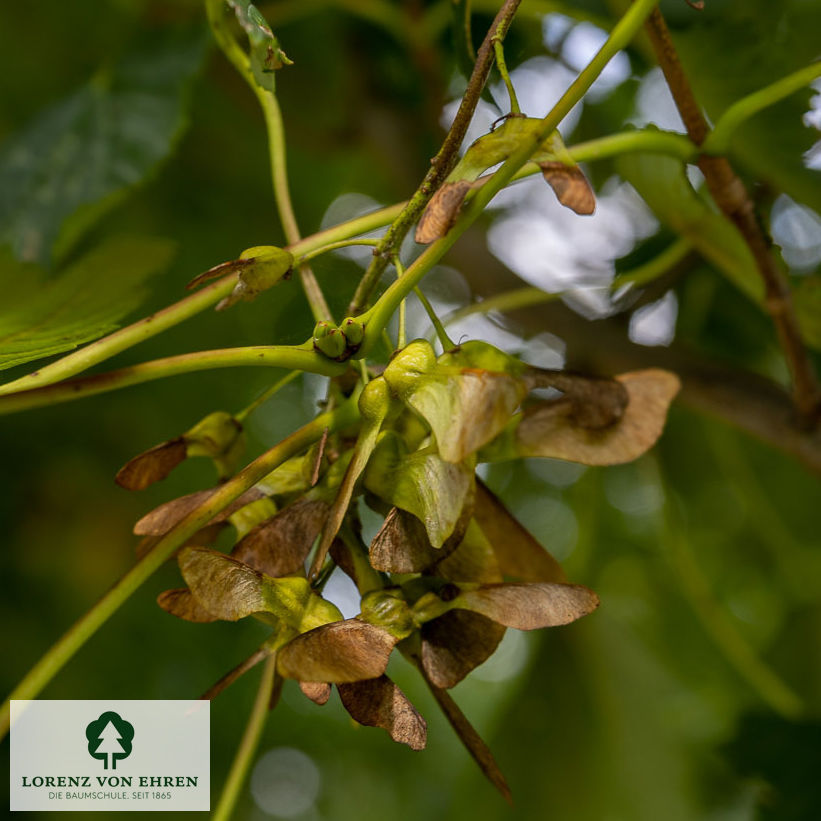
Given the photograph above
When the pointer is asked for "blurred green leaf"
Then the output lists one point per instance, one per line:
(785, 755)
(777, 38)
(41, 317)
(81, 155)
(664, 186)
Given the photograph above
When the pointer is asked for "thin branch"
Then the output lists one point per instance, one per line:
(276, 149)
(302, 357)
(250, 741)
(236, 672)
(114, 343)
(282, 195)
(735, 203)
(718, 142)
(441, 164)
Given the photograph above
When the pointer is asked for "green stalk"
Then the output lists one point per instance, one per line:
(143, 329)
(378, 316)
(60, 653)
(276, 149)
(282, 195)
(718, 142)
(298, 357)
(499, 50)
(250, 741)
(526, 297)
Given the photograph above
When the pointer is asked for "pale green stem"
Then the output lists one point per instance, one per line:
(378, 316)
(525, 297)
(770, 688)
(60, 653)
(502, 66)
(446, 342)
(276, 150)
(302, 357)
(282, 195)
(127, 337)
(266, 395)
(718, 142)
(250, 741)
(345, 243)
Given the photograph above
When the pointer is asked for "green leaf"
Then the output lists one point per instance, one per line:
(421, 483)
(266, 54)
(664, 186)
(778, 38)
(79, 156)
(42, 317)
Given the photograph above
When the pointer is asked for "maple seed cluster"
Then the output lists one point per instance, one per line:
(449, 570)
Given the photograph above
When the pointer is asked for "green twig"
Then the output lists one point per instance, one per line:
(57, 656)
(279, 175)
(446, 342)
(298, 357)
(344, 243)
(526, 297)
(114, 343)
(499, 50)
(250, 741)
(276, 149)
(718, 141)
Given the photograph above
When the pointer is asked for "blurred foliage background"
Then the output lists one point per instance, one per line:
(692, 693)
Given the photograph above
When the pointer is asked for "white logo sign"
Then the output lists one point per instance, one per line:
(110, 755)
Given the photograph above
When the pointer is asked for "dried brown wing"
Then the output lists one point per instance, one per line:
(518, 553)
(456, 643)
(218, 271)
(442, 211)
(152, 465)
(182, 604)
(279, 546)
(570, 186)
(378, 702)
(160, 520)
(339, 652)
(592, 402)
(530, 606)
(548, 430)
(318, 691)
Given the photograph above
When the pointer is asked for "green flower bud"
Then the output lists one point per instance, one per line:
(322, 328)
(353, 330)
(331, 343)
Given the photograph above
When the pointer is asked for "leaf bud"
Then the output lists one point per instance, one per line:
(331, 343)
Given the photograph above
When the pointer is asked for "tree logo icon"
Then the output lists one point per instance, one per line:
(109, 738)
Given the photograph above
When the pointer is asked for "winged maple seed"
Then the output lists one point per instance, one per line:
(449, 570)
